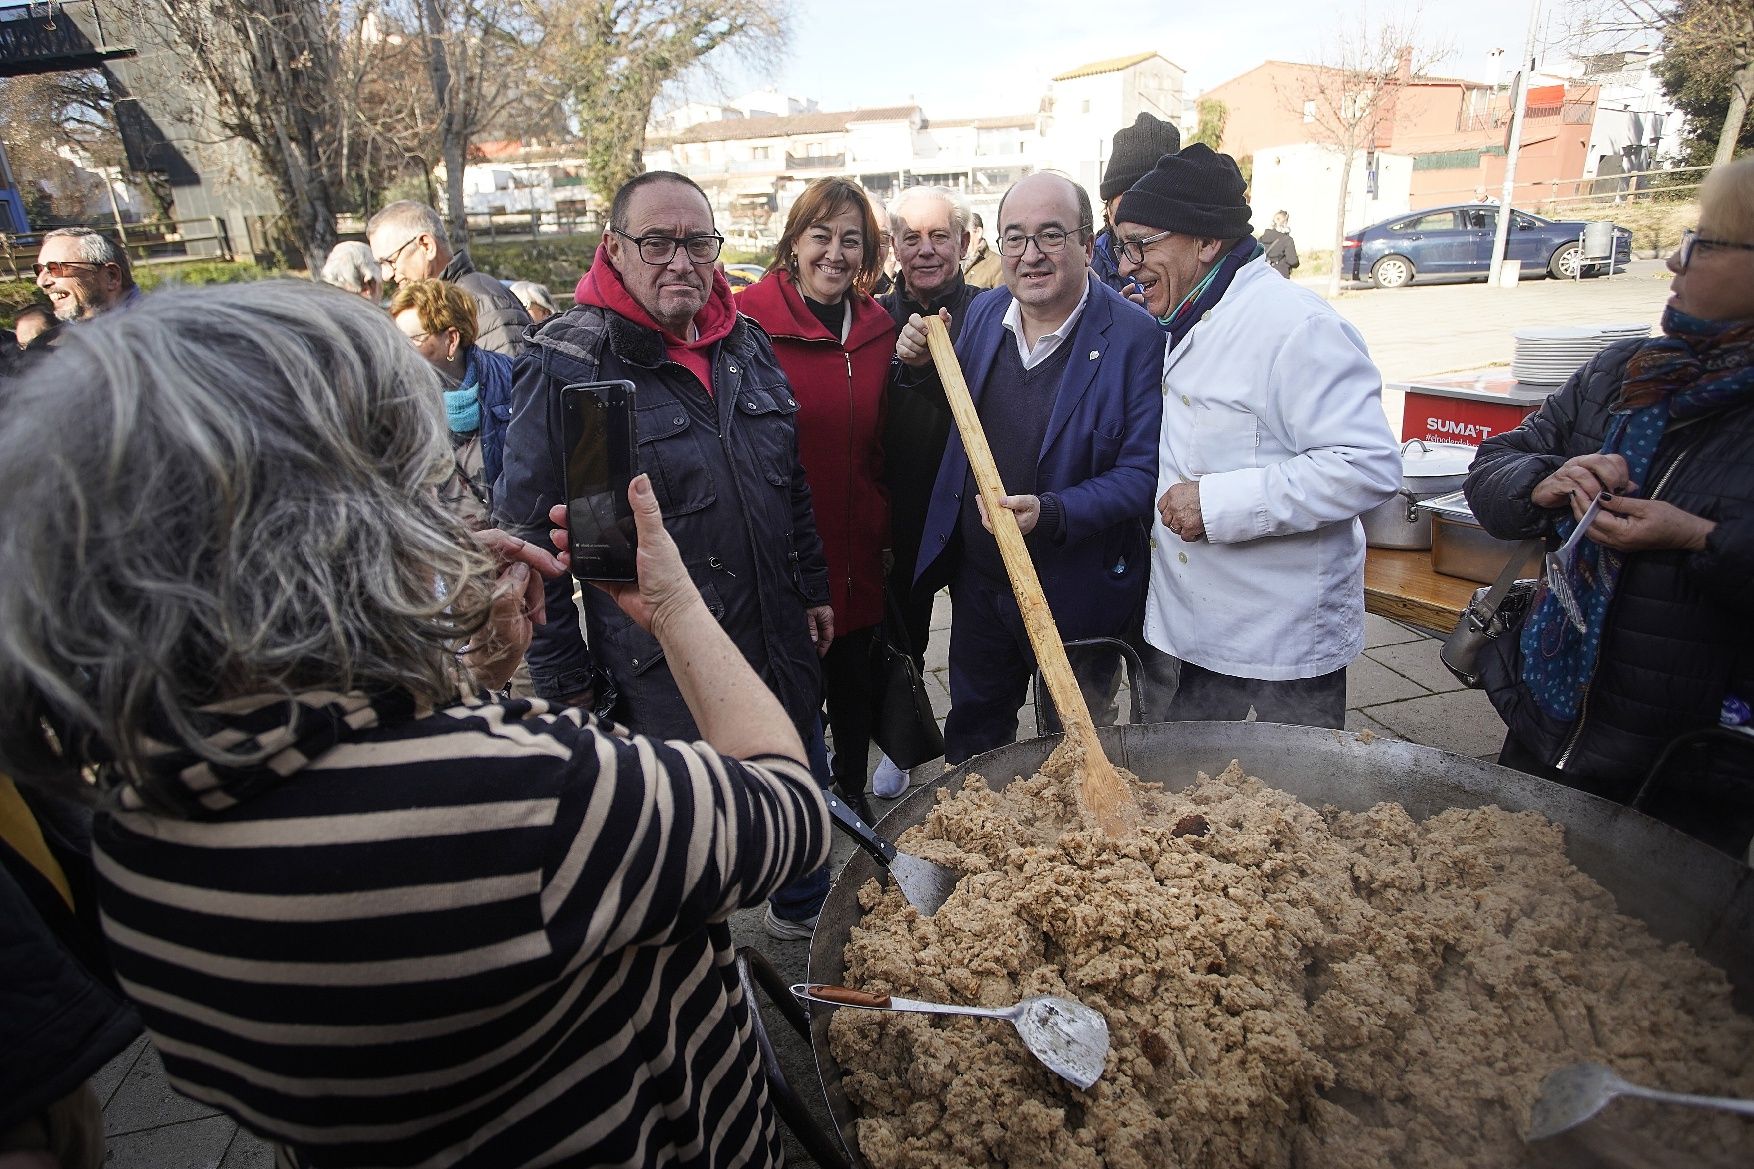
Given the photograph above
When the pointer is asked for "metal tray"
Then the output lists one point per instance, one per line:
(1461, 547)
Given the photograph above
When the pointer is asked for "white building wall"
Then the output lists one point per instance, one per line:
(1304, 180)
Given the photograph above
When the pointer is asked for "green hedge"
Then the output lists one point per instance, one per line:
(555, 262)
(16, 295)
(151, 276)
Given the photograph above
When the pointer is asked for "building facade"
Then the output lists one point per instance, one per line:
(754, 155)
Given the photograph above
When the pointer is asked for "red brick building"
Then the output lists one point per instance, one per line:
(1454, 130)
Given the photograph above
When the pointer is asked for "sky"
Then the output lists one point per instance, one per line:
(966, 59)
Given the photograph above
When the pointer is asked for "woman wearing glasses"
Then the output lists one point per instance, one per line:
(439, 321)
(834, 343)
(1662, 643)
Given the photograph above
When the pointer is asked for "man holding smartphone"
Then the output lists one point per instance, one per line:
(714, 430)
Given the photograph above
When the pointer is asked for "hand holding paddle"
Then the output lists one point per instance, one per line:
(1102, 792)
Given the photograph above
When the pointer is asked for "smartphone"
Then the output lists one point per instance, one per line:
(600, 456)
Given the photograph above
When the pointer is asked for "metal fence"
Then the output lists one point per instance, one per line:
(1581, 195)
(204, 238)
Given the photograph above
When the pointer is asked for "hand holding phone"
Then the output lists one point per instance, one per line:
(600, 455)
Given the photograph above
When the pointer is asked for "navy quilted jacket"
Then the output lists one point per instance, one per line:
(1680, 632)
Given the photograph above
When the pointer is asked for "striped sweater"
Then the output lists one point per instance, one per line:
(481, 936)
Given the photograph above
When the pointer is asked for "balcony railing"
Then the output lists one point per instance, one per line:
(814, 161)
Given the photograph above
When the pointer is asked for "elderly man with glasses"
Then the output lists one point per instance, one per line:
(1064, 373)
(715, 426)
(409, 242)
(1274, 442)
(84, 273)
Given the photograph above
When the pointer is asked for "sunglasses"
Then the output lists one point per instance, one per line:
(59, 268)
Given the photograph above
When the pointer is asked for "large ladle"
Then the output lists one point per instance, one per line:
(1101, 791)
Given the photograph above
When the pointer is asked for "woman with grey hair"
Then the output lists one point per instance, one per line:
(351, 267)
(535, 298)
(371, 914)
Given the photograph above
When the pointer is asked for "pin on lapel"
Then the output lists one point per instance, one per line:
(1094, 355)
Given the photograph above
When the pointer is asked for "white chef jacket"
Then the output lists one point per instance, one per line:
(1272, 404)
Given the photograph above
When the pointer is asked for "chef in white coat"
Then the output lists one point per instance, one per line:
(1273, 443)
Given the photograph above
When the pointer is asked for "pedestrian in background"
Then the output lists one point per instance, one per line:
(1281, 249)
(981, 265)
(409, 241)
(535, 298)
(439, 320)
(351, 267)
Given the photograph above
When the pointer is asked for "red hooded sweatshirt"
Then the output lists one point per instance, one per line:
(601, 287)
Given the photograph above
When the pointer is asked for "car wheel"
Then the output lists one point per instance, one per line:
(1392, 272)
(1565, 262)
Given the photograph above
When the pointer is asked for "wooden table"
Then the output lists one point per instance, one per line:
(1400, 584)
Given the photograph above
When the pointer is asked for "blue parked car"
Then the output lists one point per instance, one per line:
(1457, 241)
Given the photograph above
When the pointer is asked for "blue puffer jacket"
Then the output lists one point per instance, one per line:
(1680, 629)
(732, 491)
(1105, 263)
(493, 376)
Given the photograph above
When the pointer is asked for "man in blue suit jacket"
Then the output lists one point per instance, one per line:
(1066, 376)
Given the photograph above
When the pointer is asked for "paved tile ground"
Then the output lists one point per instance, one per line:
(1396, 688)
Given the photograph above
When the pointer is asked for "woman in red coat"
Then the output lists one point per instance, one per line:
(834, 343)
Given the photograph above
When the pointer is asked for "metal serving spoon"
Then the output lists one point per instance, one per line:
(1573, 1094)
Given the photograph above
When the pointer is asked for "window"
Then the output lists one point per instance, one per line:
(1087, 105)
(761, 153)
(1309, 111)
(1436, 221)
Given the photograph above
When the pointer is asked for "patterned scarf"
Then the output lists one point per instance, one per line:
(1695, 367)
(1208, 291)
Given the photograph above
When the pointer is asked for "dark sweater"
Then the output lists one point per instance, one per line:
(1016, 404)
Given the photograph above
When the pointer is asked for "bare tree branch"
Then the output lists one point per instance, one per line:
(609, 60)
(1349, 96)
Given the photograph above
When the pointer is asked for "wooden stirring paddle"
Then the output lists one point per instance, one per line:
(1101, 791)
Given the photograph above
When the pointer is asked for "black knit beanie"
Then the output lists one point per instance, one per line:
(1136, 150)
(1197, 192)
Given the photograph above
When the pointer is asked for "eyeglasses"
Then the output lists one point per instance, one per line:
(658, 250)
(1134, 249)
(417, 338)
(1049, 241)
(58, 268)
(389, 265)
(1692, 239)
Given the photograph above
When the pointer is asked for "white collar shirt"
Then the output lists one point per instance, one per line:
(1048, 342)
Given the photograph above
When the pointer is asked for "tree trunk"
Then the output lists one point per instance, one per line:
(1740, 82)
(456, 149)
(1347, 154)
(452, 144)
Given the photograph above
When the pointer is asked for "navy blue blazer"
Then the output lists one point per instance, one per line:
(1099, 457)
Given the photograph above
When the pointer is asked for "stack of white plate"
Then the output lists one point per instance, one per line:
(1548, 356)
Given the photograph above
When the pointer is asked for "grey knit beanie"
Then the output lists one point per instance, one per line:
(1136, 150)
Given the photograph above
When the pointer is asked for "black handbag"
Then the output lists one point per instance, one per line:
(1494, 611)
(903, 724)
